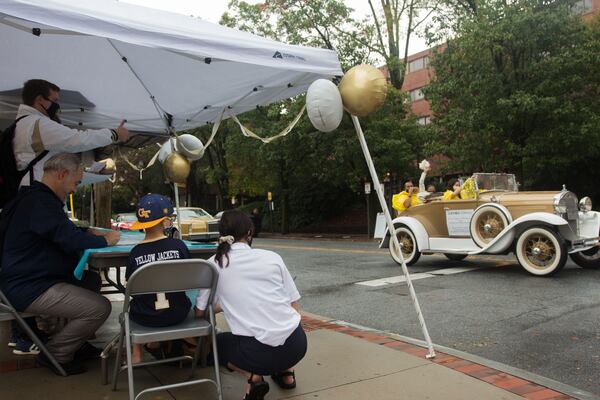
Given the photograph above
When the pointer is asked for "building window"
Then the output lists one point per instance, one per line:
(420, 63)
(582, 7)
(416, 95)
(424, 120)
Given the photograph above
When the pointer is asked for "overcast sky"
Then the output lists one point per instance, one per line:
(211, 10)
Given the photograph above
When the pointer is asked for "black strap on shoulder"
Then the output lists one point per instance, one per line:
(29, 168)
(20, 118)
(32, 164)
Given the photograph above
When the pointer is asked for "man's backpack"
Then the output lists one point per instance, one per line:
(10, 177)
(8, 211)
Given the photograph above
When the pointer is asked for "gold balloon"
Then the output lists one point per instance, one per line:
(177, 168)
(363, 89)
(109, 166)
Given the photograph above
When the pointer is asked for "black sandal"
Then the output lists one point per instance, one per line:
(278, 379)
(258, 390)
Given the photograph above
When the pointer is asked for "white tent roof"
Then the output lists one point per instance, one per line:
(135, 63)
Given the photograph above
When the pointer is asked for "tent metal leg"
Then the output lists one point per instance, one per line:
(390, 224)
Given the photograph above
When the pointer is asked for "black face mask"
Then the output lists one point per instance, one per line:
(53, 109)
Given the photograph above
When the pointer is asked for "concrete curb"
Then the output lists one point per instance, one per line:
(320, 236)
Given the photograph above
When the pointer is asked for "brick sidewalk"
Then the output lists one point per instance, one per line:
(518, 386)
(502, 380)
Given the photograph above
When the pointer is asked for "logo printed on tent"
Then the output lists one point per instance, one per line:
(287, 55)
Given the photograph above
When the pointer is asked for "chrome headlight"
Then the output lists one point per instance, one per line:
(565, 202)
(585, 204)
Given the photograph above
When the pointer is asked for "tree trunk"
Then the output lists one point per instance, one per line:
(285, 203)
(103, 203)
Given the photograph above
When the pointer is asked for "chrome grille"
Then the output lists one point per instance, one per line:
(213, 226)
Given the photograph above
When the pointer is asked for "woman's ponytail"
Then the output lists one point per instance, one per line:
(233, 227)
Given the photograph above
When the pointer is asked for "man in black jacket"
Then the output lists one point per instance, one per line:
(40, 252)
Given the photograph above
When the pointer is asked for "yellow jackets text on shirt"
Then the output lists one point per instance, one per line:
(398, 200)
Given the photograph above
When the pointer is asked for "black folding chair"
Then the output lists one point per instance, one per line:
(167, 277)
(8, 313)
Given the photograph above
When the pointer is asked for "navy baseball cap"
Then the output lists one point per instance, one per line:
(152, 209)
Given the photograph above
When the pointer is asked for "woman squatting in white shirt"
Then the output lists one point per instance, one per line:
(259, 300)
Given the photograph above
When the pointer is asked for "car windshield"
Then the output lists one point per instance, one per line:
(194, 213)
(127, 218)
(504, 182)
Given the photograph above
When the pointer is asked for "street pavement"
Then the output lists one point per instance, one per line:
(492, 309)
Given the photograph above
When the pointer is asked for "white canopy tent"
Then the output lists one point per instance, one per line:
(152, 68)
(155, 69)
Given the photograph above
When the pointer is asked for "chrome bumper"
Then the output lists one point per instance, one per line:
(202, 237)
(585, 243)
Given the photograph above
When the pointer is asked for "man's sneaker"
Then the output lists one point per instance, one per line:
(87, 352)
(25, 347)
(71, 368)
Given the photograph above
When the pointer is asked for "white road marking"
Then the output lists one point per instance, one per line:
(394, 279)
(418, 275)
(455, 270)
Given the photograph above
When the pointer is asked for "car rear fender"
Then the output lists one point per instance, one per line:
(415, 226)
(505, 239)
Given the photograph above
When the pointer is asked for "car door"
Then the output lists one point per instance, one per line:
(444, 218)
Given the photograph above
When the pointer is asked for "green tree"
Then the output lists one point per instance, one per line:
(312, 175)
(517, 91)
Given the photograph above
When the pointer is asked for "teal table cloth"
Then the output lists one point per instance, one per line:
(127, 241)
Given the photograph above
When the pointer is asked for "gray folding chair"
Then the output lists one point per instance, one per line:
(8, 313)
(167, 277)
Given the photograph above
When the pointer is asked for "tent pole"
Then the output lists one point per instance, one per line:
(92, 211)
(176, 190)
(393, 237)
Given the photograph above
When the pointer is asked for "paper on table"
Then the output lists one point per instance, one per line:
(97, 168)
(89, 178)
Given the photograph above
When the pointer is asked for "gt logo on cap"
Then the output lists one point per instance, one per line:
(143, 213)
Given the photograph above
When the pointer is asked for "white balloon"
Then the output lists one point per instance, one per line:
(190, 147)
(187, 145)
(164, 151)
(324, 105)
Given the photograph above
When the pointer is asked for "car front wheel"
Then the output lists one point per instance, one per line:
(408, 244)
(588, 258)
(541, 251)
(486, 223)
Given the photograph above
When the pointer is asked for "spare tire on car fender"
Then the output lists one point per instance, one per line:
(487, 222)
(541, 251)
(589, 258)
(408, 242)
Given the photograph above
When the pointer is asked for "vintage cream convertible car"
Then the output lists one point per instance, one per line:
(541, 228)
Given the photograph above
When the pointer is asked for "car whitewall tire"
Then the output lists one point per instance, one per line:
(410, 250)
(541, 251)
(486, 223)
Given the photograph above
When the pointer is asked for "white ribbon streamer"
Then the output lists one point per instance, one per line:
(248, 133)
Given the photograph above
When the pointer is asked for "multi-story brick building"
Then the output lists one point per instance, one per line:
(419, 74)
